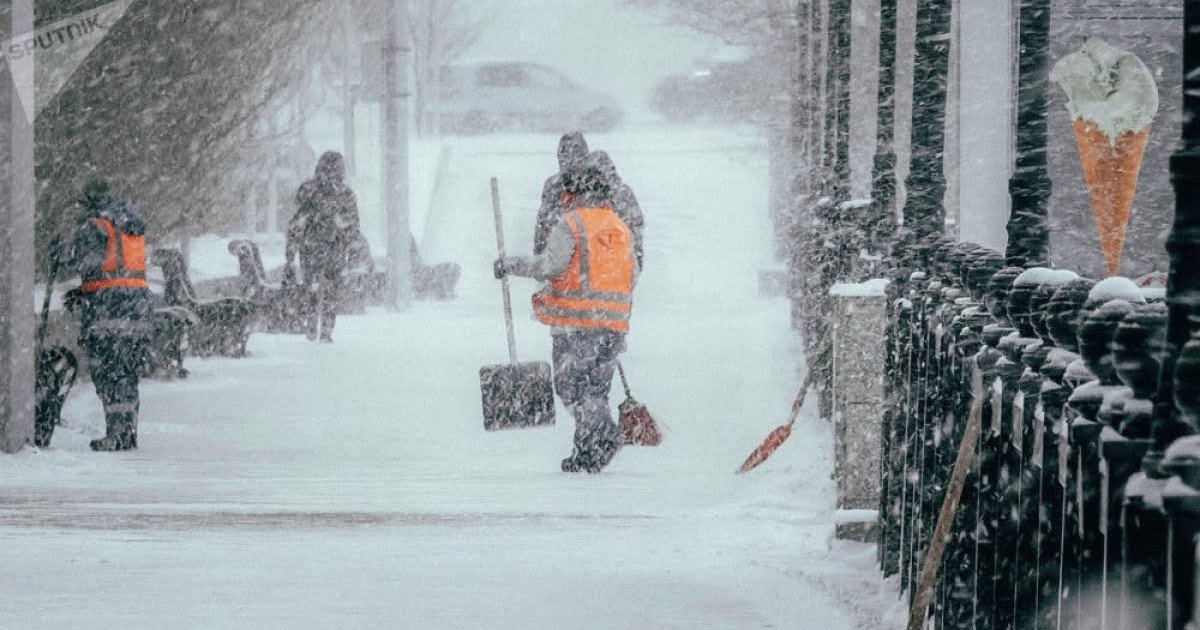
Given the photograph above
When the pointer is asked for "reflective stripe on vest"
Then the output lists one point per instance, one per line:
(124, 261)
(596, 289)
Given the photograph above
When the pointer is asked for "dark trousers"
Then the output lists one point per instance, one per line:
(324, 288)
(584, 362)
(114, 362)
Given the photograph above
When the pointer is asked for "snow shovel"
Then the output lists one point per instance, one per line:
(636, 423)
(515, 395)
(56, 366)
(780, 433)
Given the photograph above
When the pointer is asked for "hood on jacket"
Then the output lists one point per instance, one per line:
(331, 167)
(572, 151)
(602, 162)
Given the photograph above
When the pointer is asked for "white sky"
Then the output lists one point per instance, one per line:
(603, 44)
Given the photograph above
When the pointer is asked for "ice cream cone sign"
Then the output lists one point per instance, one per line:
(1112, 99)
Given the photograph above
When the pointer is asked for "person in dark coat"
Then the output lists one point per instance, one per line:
(572, 153)
(624, 202)
(115, 306)
(322, 232)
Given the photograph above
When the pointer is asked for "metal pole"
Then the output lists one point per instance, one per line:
(17, 350)
(395, 163)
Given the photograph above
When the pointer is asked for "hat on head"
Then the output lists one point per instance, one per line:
(95, 192)
(586, 182)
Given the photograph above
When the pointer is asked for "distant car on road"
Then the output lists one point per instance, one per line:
(719, 91)
(518, 96)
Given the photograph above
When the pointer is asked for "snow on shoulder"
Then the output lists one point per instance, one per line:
(870, 288)
(1108, 86)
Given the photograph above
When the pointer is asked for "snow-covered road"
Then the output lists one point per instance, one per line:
(352, 485)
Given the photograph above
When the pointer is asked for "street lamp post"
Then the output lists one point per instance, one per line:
(395, 163)
(17, 351)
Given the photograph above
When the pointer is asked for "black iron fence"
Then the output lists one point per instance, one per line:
(1081, 506)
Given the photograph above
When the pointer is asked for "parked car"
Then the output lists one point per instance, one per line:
(518, 96)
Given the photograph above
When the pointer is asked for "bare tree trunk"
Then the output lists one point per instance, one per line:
(805, 146)
(924, 211)
(1175, 411)
(883, 176)
(820, 77)
(1028, 234)
(781, 148)
(804, 101)
(830, 96)
(839, 64)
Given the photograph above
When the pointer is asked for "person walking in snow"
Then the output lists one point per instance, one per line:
(572, 153)
(115, 307)
(591, 268)
(322, 231)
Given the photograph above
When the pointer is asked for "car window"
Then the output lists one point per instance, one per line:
(502, 76)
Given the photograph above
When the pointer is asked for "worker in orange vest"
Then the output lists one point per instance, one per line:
(115, 307)
(591, 269)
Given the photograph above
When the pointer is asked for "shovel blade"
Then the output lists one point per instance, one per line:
(517, 395)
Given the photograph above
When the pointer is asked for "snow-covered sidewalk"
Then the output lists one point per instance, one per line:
(352, 484)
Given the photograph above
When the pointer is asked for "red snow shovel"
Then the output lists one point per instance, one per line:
(636, 423)
(515, 395)
(780, 433)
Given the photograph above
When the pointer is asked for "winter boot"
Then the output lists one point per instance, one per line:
(120, 434)
(603, 452)
(575, 463)
(595, 453)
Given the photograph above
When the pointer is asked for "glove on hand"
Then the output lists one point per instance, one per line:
(499, 269)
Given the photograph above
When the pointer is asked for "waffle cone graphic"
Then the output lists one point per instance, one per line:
(1110, 168)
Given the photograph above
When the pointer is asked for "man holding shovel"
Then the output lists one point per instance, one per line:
(590, 267)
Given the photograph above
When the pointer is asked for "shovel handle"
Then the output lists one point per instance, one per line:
(508, 320)
(55, 249)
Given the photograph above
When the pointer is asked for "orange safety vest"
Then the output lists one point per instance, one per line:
(124, 261)
(596, 289)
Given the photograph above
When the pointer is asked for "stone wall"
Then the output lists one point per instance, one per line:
(859, 340)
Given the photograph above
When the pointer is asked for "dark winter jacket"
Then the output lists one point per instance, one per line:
(115, 311)
(572, 152)
(326, 223)
(624, 202)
